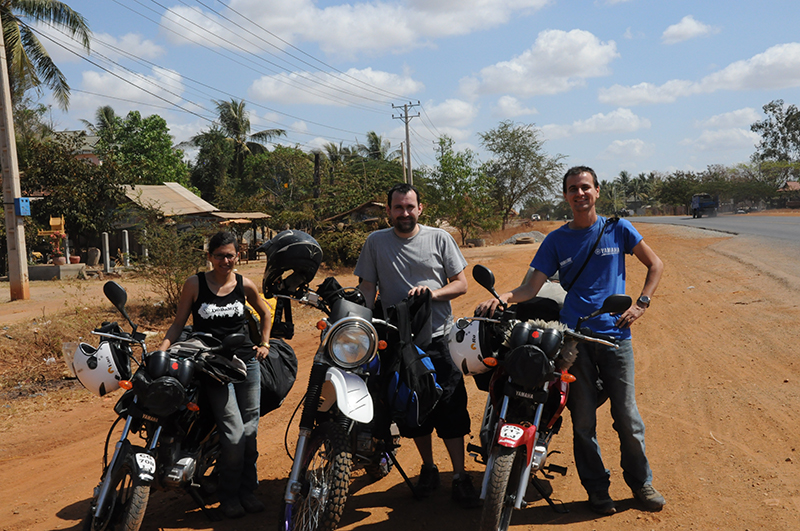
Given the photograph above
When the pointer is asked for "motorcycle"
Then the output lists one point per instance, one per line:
(341, 429)
(164, 406)
(523, 358)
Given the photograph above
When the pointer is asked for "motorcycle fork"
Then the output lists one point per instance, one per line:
(307, 420)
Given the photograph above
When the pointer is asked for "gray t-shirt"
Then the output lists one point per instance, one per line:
(398, 264)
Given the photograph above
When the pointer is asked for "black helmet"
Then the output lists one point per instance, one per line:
(293, 258)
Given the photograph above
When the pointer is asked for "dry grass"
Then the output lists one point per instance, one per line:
(31, 359)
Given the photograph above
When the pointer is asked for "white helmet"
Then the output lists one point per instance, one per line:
(467, 348)
(98, 369)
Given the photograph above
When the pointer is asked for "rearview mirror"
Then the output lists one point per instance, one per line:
(483, 276)
(616, 304)
(232, 341)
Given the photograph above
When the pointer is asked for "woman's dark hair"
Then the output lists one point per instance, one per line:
(221, 238)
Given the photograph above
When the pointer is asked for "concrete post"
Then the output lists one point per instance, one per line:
(126, 254)
(106, 254)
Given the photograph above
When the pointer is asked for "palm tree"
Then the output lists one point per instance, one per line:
(377, 148)
(105, 120)
(234, 121)
(29, 64)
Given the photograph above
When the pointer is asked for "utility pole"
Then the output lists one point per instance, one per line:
(406, 118)
(15, 230)
(403, 159)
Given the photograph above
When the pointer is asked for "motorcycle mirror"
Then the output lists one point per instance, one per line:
(612, 304)
(118, 297)
(484, 276)
(232, 341)
(616, 304)
(462, 323)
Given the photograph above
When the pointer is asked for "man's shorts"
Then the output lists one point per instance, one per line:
(450, 417)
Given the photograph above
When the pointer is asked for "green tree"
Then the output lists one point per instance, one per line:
(521, 169)
(458, 192)
(142, 150)
(106, 121)
(211, 168)
(377, 148)
(87, 195)
(780, 133)
(234, 122)
(29, 64)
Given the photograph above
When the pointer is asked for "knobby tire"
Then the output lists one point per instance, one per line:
(326, 480)
(127, 504)
(501, 490)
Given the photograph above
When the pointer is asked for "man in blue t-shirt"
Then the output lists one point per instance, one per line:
(589, 280)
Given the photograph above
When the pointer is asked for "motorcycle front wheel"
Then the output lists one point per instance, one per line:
(326, 479)
(501, 491)
(125, 506)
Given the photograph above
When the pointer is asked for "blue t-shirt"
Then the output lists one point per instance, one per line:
(565, 250)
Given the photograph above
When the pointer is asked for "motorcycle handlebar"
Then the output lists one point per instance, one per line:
(590, 339)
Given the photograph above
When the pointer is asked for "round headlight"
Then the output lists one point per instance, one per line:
(352, 342)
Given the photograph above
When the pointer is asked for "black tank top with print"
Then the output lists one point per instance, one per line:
(222, 316)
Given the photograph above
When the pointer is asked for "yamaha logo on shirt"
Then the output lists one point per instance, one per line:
(606, 251)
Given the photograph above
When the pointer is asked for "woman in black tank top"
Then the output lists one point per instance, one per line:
(216, 301)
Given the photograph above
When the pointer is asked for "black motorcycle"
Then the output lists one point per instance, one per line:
(178, 443)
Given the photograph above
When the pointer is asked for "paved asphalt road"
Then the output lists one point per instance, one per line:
(776, 227)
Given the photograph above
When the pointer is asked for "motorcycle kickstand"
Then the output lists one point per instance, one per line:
(212, 514)
(403, 473)
(540, 488)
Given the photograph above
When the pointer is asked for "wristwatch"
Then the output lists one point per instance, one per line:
(264, 344)
(644, 300)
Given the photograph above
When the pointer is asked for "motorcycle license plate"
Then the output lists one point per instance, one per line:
(147, 466)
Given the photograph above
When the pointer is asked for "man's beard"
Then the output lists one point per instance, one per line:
(405, 226)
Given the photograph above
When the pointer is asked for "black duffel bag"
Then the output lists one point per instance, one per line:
(278, 373)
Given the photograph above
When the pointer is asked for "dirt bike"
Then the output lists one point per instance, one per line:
(164, 406)
(343, 427)
(529, 353)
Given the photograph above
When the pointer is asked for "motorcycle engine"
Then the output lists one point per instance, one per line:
(181, 472)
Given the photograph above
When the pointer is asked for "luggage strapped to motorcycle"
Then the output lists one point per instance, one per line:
(608, 222)
(411, 389)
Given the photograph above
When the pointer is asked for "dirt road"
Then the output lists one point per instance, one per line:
(718, 376)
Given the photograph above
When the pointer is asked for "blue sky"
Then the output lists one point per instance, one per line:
(632, 85)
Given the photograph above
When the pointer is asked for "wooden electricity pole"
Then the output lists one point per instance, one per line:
(15, 230)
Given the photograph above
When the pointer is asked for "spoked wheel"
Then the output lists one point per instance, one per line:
(125, 506)
(501, 492)
(326, 479)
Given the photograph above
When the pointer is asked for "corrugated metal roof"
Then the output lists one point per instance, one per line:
(171, 199)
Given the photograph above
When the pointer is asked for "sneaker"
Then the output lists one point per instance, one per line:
(464, 493)
(232, 508)
(650, 498)
(251, 504)
(601, 503)
(428, 480)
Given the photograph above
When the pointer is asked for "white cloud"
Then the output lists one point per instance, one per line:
(687, 28)
(776, 68)
(152, 89)
(737, 118)
(723, 140)
(452, 113)
(628, 149)
(511, 107)
(557, 62)
(372, 27)
(132, 43)
(351, 87)
(618, 121)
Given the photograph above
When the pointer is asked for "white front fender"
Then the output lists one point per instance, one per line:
(350, 394)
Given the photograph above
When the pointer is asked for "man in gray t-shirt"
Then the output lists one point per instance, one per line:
(409, 259)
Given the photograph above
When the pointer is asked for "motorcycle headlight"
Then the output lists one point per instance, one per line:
(352, 342)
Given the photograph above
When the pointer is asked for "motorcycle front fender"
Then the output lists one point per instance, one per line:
(514, 435)
(350, 394)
